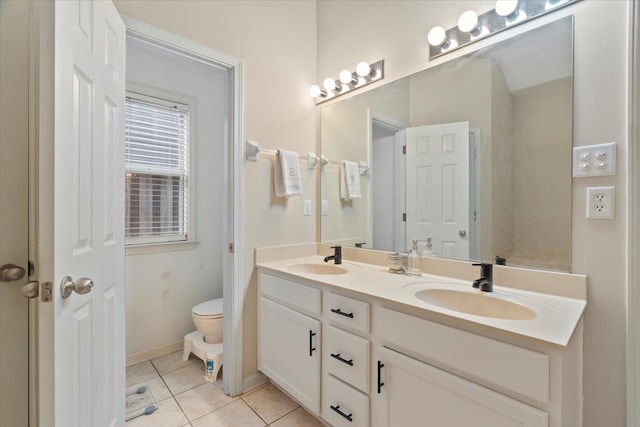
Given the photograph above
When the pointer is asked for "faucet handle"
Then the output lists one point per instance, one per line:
(486, 269)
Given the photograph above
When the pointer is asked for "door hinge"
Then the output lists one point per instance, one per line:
(404, 217)
(404, 149)
(230, 248)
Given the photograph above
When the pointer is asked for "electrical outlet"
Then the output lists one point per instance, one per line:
(601, 202)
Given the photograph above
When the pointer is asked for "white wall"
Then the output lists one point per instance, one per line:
(344, 134)
(396, 31)
(277, 42)
(542, 142)
(162, 287)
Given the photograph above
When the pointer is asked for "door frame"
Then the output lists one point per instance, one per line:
(378, 119)
(233, 291)
(633, 206)
(474, 198)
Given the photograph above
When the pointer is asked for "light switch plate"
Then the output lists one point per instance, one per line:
(594, 160)
(307, 208)
(324, 207)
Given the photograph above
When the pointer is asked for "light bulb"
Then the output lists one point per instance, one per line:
(363, 69)
(506, 8)
(346, 77)
(329, 84)
(468, 22)
(315, 91)
(437, 37)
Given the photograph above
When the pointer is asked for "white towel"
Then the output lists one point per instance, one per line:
(350, 181)
(287, 174)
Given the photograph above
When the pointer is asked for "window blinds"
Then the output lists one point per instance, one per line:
(157, 170)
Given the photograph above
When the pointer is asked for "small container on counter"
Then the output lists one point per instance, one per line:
(397, 263)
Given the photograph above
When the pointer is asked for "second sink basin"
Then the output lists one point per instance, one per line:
(310, 268)
(479, 304)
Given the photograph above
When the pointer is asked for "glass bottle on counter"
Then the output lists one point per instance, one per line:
(429, 248)
(413, 260)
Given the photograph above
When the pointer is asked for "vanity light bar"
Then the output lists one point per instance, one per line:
(472, 27)
(348, 81)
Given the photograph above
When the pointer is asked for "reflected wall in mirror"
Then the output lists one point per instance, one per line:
(474, 154)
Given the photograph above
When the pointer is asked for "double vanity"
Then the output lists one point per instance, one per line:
(358, 346)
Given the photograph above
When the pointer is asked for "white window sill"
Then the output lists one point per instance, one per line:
(155, 248)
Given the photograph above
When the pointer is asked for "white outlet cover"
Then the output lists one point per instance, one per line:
(307, 208)
(594, 160)
(601, 202)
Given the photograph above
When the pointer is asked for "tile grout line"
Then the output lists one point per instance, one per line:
(173, 396)
(266, 424)
(294, 409)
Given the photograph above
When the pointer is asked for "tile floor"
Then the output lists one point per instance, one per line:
(185, 398)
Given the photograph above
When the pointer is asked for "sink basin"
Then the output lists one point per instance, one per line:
(479, 304)
(317, 269)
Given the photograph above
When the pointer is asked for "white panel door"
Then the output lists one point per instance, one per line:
(14, 211)
(89, 213)
(437, 197)
(415, 394)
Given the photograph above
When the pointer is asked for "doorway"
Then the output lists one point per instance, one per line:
(387, 182)
(224, 145)
(14, 213)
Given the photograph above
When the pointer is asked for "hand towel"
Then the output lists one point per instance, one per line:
(350, 181)
(287, 174)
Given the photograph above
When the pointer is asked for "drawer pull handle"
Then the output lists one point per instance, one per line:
(337, 356)
(342, 313)
(380, 383)
(311, 347)
(337, 409)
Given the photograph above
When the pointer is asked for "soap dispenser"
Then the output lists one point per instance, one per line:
(429, 248)
(413, 260)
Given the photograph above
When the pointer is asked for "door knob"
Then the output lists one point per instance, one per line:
(80, 286)
(31, 290)
(11, 272)
(462, 233)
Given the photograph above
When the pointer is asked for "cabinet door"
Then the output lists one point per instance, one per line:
(418, 394)
(289, 351)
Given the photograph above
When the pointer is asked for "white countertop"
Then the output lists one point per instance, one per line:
(556, 320)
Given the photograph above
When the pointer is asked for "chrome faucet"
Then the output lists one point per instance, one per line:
(485, 282)
(336, 257)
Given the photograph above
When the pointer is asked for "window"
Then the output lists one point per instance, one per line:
(157, 170)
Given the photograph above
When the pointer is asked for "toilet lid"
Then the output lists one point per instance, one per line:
(209, 308)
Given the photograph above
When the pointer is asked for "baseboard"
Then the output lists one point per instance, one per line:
(143, 356)
(254, 381)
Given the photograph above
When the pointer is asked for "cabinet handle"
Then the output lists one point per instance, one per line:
(342, 313)
(337, 409)
(311, 347)
(337, 356)
(380, 383)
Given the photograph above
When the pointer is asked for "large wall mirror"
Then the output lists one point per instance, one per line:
(474, 154)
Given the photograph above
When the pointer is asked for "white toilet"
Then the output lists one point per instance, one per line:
(207, 317)
(206, 342)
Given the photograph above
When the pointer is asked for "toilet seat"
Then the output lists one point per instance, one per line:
(211, 309)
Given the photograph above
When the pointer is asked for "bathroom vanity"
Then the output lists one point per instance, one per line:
(358, 346)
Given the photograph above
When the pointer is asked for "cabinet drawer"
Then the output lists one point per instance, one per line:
(504, 365)
(290, 293)
(347, 311)
(343, 405)
(347, 357)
